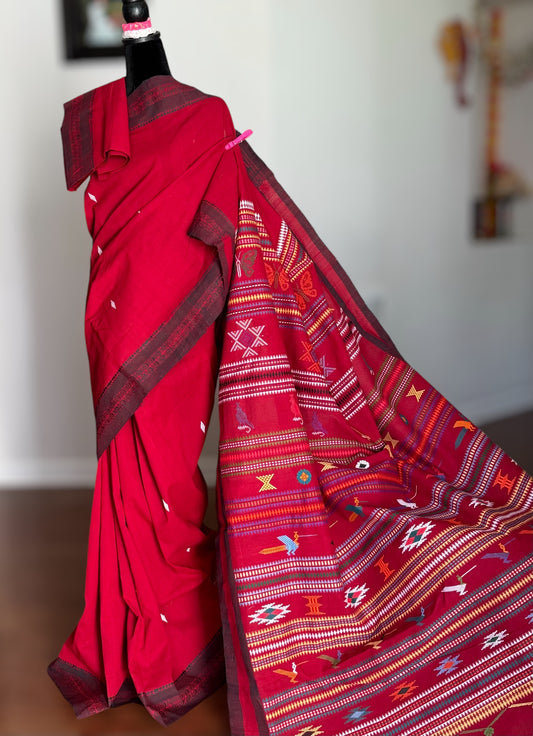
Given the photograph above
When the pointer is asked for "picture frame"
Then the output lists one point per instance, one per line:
(92, 28)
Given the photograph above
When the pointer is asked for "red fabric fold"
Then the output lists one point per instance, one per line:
(95, 134)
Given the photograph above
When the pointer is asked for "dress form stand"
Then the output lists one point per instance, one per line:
(143, 48)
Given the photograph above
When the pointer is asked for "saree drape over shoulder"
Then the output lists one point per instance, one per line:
(372, 569)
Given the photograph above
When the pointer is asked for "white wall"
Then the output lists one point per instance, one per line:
(349, 107)
(461, 313)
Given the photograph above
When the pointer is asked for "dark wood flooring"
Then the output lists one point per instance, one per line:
(43, 537)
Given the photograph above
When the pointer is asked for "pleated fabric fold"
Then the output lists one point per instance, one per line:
(150, 630)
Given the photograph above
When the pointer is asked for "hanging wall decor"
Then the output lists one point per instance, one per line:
(516, 64)
(492, 211)
(502, 183)
(454, 46)
(494, 54)
(93, 28)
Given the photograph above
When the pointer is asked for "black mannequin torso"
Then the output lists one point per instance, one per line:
(145, 57)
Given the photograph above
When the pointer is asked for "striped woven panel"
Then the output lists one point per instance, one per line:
(377, 542)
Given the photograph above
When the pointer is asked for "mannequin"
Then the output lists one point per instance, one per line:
(145, 55)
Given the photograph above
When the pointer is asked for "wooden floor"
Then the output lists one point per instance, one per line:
(43, 538)
(42, 557)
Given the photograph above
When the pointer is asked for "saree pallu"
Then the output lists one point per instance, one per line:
(374, 546)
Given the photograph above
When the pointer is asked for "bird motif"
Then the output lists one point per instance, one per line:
(289, 545)
(418, 619)
(356, 510)
(245, 425)
(318, 429)
(334, 661)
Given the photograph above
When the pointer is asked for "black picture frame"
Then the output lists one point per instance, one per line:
(85, 42)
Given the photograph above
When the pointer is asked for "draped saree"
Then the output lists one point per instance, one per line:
(371, 573)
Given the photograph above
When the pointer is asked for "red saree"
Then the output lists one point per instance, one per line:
(374, 549)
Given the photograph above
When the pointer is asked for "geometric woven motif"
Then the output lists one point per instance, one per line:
(270, 613)
(354, 596)
(494, 639)
(416, 536)
(247, 337)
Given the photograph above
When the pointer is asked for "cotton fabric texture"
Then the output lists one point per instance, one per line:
(372, 571)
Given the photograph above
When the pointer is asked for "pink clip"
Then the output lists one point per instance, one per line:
(239, 139)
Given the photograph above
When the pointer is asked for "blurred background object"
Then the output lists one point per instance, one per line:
(454, 46)
(504, 32)
(92, 28)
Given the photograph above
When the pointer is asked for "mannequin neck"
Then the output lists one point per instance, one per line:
(144, 59)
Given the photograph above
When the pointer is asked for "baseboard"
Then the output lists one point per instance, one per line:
(47, 473)
(68, 472)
